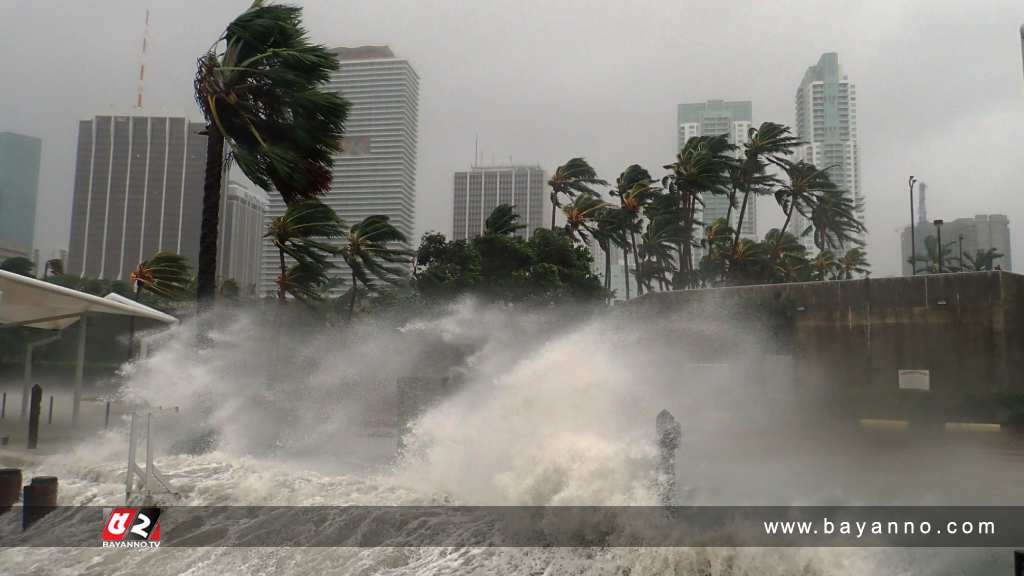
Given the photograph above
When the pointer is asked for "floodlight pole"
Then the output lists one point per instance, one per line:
(79, 368)
(913, 242)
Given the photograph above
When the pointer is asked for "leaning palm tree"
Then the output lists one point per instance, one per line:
(835, 221)
(982, 259)
(823, 265)
(166, 275)
(581, 216)
(503, 221)
(803, 185)
(768, 144)
(371, 253)
(303, 233)
(634, 190)
(854, 261)
(261, 88)
(574, 177)
(54, 266)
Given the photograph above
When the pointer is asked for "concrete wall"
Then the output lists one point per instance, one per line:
(850, 338)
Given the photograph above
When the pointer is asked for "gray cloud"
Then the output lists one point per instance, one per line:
(939, 82)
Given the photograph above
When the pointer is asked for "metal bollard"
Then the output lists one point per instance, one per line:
(35, 406)
(39, 498)
(49, 419)
(10, 488)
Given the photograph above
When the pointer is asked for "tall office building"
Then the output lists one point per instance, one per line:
(826, 120)
(479, 190)
(138, 190)
(713, 118)
(964, 236)
(240, 242)
(376, 171)
(19, 186)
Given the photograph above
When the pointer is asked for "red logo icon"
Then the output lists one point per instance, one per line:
(131, 527)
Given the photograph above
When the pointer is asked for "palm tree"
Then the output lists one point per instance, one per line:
(768, 144)
(854, 261)
(658, 242)
(302, 233)
(931, 257)
(983, 259)
(634, 190)
(610, 232)
(787, 260)
(823, 265)
(701, 167)
(581, 215)
(574, 177)
(503, 220)
(835, 220)
(370, 253)
(19, 265)
(165, 275)
(54, 266)
(261, 90)
(804, 183)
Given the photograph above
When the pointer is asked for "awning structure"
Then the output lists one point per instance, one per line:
(34, 303)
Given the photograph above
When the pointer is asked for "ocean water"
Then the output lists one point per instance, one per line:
(549, 409)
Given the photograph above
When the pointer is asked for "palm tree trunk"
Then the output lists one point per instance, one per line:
(608, 270)
(739, 221)
(625, 268)
(554, 197)
(206, 271)
(636, 264)
(284, 275)
(352, 301)
(785, 224)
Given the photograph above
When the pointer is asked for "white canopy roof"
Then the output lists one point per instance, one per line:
(31, 302)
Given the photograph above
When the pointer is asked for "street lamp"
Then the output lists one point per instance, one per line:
(960, 242)
(938, 233)
(913, 247)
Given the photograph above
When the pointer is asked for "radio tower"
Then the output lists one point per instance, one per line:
(142, 62)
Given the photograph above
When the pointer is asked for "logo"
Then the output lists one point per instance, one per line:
(131, 528)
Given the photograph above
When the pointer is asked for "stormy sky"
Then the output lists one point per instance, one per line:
(940, 85)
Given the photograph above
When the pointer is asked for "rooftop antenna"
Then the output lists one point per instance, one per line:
(142, 62)
(922, 208)
(476, 150)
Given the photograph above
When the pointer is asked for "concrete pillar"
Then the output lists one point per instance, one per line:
(10, 488)
(39, 498)
(35, 407)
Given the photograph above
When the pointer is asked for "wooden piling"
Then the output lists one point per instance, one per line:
(106, 417)
(49, 418)
(3, 407)
(10, 488)
(35, 406)
(39, 498)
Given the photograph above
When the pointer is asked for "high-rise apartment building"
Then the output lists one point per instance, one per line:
(138, 189)
(19, 187)
(826, 120)
(240, 242)
(376, 171)
(714, 118)
(479, 190)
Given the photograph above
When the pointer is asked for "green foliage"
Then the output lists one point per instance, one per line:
(548, 267)
(262, 87)
(166, 275)
(19, 265)
(374, 253)
(503, 220)
(574, 177)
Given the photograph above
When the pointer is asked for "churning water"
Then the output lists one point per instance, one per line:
(542, 408)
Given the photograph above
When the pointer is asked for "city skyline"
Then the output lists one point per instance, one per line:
(477, 191)
(459, 100)
(20, 155)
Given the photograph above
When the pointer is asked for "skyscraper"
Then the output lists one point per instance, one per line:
(376, 171)
(713, 118)
(19, 186)
(138, 190)
(240, 242)
(478, 191)
(826, 120)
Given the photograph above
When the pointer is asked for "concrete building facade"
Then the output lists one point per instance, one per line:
(19, 187)
(240, 242)
(376, 171)
(138, 190)
(478, 191)
(963, 235)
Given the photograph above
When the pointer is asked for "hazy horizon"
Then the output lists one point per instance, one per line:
(939, 90)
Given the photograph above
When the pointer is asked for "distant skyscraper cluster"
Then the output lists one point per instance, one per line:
(961, 237)
(826, 120)
(19, 187)
(480, 190)
(138, 190)
(376, 171)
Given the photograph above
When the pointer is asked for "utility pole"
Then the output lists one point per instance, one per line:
(913, 242)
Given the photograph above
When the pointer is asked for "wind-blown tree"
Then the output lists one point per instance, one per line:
(19, 265)
(373, 252)
(799, 192)
(787, 261)
(574, 177)
(261, 88)
(634, 190)
(581, 215)
(701, 167)
(768, 144)
(835, 221)
(610, 232)
(982, 259)
(824, 265)
(303, 233)
(854, 261)
(930, 258)
(503, 220)
(165, 275)
(658, 245)
(53, 266)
